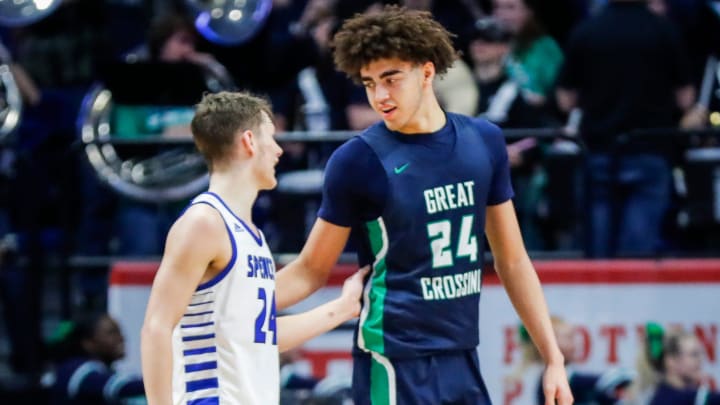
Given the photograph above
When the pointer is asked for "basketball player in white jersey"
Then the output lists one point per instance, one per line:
(210, 334)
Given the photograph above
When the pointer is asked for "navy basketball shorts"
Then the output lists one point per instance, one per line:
(440, 379)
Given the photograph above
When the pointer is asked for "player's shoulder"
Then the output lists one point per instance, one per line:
(354, 144)
(480, 126)
(350, 152)
(198, 220)
(195, 236)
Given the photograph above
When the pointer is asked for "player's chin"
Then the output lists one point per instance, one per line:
(270, 184)
(390, 124)
(393, 124)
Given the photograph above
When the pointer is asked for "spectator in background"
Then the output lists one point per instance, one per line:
(13, 289)
(533, 65)
(291, 376)
(60, 55)
(283, 47)
(331, 89)
(501, 98)
(489, 46)
(502, 101)
(698, 46)
(171, 39)
(343, 102)
(626, 69)
(83, 372)
(588, 388)
(671, 369)
(316, 102)
(535, 57)
(699, 25)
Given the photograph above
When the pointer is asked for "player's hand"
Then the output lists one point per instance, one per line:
(353, 289)
(555, 386)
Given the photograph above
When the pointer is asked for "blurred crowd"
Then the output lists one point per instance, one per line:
(610, 109)
(669, 369)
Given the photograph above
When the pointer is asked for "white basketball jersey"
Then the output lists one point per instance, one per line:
(225, 346)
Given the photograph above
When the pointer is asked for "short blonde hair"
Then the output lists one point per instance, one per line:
(219, 117)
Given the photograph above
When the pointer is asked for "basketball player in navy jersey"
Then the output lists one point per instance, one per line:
(419, 189)
(210, 334)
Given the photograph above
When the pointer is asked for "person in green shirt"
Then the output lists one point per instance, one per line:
(532, 66)
(535, 57)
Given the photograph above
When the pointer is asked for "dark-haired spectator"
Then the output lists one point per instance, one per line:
(671, 365)
(626, 69)
(83, 372)
(171, 39)
(533, 65)
(501, 99)
(535, 57)
(502, 102)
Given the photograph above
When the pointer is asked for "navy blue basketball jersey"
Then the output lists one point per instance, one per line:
(418, 204)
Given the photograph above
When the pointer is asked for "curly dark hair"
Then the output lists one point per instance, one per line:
(396, 32)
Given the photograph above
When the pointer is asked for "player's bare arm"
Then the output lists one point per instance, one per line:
(293, 330)
(191, 254)
(310, 270)
(523, 287)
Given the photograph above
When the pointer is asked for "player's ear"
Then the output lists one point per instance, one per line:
(247, 142)
(428, 70)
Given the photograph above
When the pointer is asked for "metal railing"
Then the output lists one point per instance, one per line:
(679, 137)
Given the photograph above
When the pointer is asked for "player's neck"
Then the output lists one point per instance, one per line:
(238, 191)
(429, 118)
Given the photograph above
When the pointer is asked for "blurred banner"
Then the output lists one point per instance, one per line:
(608, 302)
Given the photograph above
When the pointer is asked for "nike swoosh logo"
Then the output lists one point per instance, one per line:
(402, 168)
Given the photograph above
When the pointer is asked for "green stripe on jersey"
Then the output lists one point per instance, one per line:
(382, 381)
(372, 318)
